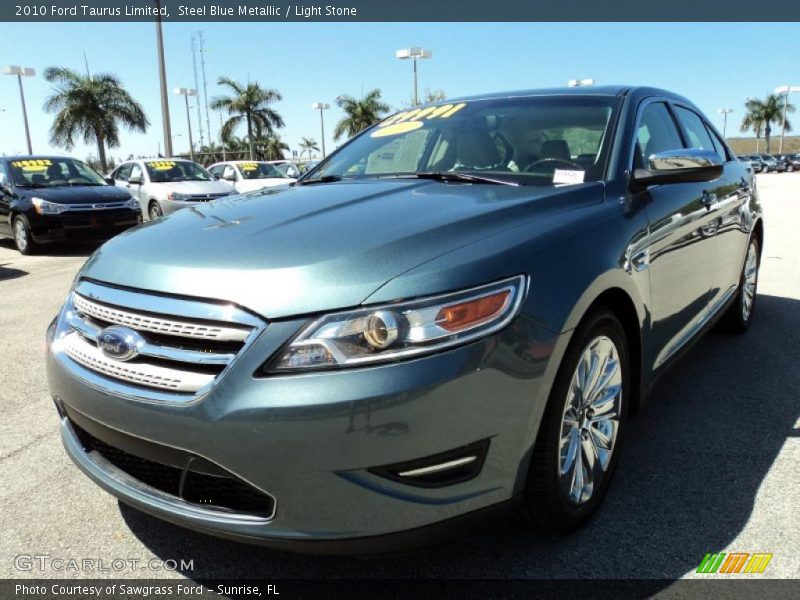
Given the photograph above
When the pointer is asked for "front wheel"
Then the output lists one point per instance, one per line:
(577, 447)
(154, 212)
(789, 168)
(739, 315)
(22, 236)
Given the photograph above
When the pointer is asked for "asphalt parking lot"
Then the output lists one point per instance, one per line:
(710, 464)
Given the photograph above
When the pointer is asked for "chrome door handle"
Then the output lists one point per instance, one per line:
(708, 199)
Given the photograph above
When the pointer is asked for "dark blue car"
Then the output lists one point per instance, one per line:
(46, 199)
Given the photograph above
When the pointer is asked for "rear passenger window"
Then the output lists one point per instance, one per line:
(657, 132)
(696, 132)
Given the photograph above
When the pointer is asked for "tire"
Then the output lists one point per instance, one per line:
(739, 315)
(555, 502)
(154, 211)
(765, 169)
(23, 239)
(789, 168)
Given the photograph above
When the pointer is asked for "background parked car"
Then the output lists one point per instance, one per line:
(770, 164)
(791, 162)
(755, 162)
(249, 175)
(165, 185)
(289, 168)
(46, 199)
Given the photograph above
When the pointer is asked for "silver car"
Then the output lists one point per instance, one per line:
(249, 175)
(164, 185)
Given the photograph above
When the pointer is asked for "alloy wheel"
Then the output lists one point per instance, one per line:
(21, 235)
(590, 420)
(749, 281)
(155, 211)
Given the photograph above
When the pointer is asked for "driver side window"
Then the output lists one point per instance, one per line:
(136, 171)
(123, 172)
(657, 132)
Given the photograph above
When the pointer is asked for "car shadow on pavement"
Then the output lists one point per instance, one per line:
(694, 460)
(10, 272)
(66, 250)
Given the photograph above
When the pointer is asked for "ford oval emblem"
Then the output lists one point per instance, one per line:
(119, 343)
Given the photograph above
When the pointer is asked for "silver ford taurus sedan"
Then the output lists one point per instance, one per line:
(453, 315)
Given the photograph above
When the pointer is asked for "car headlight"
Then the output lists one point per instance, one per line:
(404, 329)
(177, 197)
(45, 207)
(132, 203)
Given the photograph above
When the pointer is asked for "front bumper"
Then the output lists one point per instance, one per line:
(310, 440)
(83, 225)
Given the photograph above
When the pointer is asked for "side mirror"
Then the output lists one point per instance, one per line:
(110, 181)
(230, 177)
(136, 180)
(680, 166)
(5, 190)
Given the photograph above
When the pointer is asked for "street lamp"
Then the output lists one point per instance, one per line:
(321, 106)
(785, 90)
(186, 92)
(162, 80)
(581, 82)
(414, 53)
(724, 112)
(21, 72)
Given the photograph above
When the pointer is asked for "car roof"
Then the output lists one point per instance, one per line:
(587, 90)
(38, 157)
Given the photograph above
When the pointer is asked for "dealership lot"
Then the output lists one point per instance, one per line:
(710, 463)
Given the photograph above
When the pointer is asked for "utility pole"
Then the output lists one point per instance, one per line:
(196, 86)
(205, 82)
(162, 76)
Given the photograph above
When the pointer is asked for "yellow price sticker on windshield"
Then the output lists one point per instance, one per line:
(248, 166)
(162, 165)
(34, 164)
(409, 120)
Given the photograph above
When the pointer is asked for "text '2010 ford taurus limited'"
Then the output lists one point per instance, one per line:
(455, 313)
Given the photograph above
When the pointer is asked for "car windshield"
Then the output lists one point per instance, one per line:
(539, 140)
(257, 170)
(53, 172)
(165, 171)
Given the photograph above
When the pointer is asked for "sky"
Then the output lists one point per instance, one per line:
(713, 64)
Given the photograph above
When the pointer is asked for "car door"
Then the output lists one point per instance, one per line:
(678, 252)
(5, 199)
(724, 199)
(231, 175)
(135, 184)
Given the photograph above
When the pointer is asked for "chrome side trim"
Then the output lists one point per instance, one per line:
(450, 464)
(124, 486)
(84, 353)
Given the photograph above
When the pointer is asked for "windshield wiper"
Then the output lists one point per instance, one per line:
(323, 179)
(465, 177)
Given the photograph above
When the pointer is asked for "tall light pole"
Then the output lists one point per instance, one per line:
(725, 112)
(785, 90)
(186, 92)
(162, 77)
(414, 53)
(21, 72)
(321, 106)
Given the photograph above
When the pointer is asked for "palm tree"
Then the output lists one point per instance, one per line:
(761, 114)
(271, 147)
(308, 144)
(249, 103)
(91, 107)
(359, 114)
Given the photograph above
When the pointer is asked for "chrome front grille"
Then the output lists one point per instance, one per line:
(182, 346)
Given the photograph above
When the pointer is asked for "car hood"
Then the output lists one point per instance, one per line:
(248, 185)
(78, 194)
(192, 187)
(318, 247)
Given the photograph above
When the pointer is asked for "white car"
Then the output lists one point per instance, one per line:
(249, 175)
(164, 185)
